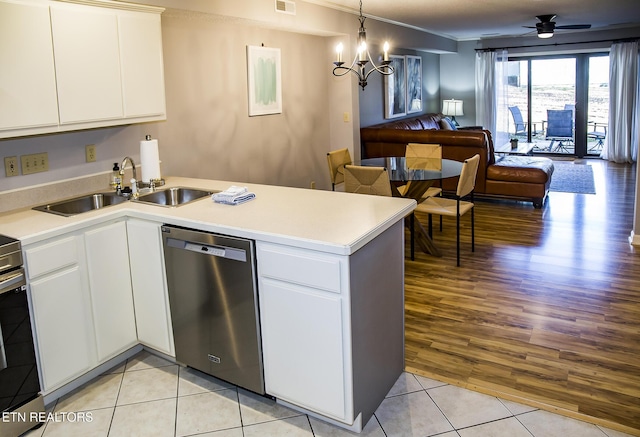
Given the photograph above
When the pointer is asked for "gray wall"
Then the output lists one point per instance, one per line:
(457, 80)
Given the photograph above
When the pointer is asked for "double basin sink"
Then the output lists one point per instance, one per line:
(170, 197)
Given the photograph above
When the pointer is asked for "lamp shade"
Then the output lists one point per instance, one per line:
(452, 107)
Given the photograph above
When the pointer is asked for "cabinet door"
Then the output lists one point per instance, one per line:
(142, 66)
(27, 77)
(110, 285)
(148, 278)
(85, 41)
(63, 325)
(303, 347)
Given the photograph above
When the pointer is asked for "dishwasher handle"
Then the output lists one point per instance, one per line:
(207, 249)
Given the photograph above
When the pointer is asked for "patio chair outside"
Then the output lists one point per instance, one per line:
(599, 133)
(521, 127)
(520, 124)
(560, 129)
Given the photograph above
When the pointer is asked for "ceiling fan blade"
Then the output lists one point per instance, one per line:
(574, 26)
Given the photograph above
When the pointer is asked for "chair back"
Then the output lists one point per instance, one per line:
(559, 123)
(424, 156)
(517, 120)
(467, 181)
(337, 159)
(367, 180)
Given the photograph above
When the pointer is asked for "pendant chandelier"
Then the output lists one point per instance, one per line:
(358, 66)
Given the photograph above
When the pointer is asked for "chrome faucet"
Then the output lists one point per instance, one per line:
(133, 167)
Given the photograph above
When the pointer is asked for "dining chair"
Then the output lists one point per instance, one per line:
(337, 159)
(373, 180)
(367, 180)
(422, 156)
(457, 206)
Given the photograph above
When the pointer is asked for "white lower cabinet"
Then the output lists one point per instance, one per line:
(303, 347)
(333, 326)
(110, 286)
(149, 282)
(61, 309)
(304, 312)
(80, 287)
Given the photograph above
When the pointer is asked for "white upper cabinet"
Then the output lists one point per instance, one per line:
(85, 42)
(76, 66)
(27, 78)
(141, 64)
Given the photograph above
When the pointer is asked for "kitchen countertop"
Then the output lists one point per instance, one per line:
(327, 221)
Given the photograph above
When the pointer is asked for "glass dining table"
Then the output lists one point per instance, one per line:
(418, 174)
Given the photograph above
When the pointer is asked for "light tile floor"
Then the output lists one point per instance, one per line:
(149, 396)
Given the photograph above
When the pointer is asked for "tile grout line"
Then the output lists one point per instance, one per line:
(175, 418)
(113, 414)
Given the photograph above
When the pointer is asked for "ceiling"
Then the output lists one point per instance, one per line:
(477, 19)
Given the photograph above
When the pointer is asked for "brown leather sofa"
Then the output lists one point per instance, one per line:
(514, 177)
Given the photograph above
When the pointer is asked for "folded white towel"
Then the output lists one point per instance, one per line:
(233, 195)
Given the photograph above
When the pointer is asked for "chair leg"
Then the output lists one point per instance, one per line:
(458, 234)
(473, 232)
(411, 231)
(333, 186)
(441, 196)
(458, 240)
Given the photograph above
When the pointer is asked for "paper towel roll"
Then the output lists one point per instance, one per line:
(150, 160)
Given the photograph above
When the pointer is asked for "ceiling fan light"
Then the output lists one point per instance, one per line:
(545, 34)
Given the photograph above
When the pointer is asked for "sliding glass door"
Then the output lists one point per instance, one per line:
(559, 103)
(597, 103)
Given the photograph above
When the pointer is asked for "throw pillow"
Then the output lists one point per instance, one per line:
(451, 123)
(444, 124)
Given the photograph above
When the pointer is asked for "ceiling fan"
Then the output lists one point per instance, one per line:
(546, 26)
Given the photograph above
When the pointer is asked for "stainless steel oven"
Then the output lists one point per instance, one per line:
(20, 399)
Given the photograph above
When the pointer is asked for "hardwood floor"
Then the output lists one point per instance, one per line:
(547, 309)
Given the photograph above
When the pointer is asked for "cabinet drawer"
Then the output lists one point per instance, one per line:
(52, 256)
(300, 267)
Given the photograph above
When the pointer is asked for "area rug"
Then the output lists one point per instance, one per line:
(572, 178)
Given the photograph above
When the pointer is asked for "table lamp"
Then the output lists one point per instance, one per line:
(452, 107)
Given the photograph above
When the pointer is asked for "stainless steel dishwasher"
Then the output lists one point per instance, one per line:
(214, 305)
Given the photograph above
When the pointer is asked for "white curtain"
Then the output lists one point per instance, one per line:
(486, 90)
(491, 87)
(621, 143)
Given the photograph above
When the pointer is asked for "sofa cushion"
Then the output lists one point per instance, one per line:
(406, 124)
(521, 169)
(430, 121)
